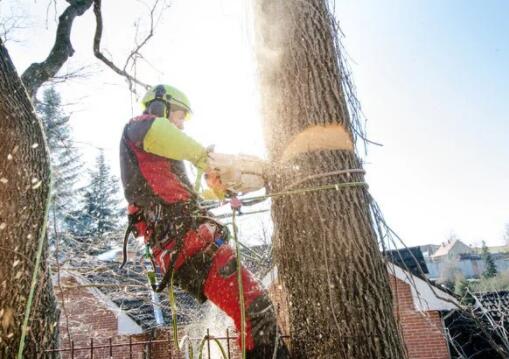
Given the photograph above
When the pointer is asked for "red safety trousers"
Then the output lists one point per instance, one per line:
(200, 253)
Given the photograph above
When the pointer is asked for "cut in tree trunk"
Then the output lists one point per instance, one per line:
(340, 303)
(24, 189)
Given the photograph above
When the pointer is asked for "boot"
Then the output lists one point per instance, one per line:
(267, 351)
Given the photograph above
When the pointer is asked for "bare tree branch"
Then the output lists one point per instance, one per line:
(9, 25)
(81, 72)
(38, 73)
(136, 52)
(97, 50)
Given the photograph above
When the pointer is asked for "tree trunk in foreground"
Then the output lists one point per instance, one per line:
(325, 244)
(24, 188)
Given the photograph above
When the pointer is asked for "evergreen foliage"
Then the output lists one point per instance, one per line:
(506, 234)
(66, 162)
(100, 211)
(490, 269)
(463, 291)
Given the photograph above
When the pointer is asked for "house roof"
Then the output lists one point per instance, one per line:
(409, 258)
(428, 249)
(497, 305)
(125, 324)
(128, 289)
(258, 259)
(426, 296)
(446, 247)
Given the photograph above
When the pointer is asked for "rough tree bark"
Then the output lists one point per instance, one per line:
(325, 244)
(24, 189)
(24, 185)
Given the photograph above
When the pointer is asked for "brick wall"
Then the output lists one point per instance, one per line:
(89, 318)
(277, 294)
(422, 331)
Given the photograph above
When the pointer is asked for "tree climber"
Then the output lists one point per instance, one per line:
(184, 239)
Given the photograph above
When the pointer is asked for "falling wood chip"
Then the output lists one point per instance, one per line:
(7, 318)
(37, 185)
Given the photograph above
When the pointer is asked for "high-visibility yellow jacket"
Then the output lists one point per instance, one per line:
(152, 151)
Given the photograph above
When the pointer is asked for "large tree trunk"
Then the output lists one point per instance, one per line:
(326, 249)
(24, 189)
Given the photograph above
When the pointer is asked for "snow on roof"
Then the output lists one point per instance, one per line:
(133, 296)
(426, 297)
(125, 324)
(109, 255)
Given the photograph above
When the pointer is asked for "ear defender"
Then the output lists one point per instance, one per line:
(159, 93)
(173, 99)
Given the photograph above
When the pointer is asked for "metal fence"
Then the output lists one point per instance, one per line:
(151, 348)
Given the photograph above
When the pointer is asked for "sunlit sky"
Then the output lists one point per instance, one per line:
(432, 78)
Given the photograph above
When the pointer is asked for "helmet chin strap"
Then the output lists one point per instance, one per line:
(168, 109)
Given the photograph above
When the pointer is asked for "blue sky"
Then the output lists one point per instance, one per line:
(433, 81)
(432, 78)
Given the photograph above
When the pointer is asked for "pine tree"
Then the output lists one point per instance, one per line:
(490, 269)
(462, 289)
(100, 212)
(66, 162)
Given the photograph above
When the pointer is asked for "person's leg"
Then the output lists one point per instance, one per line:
(221, 287)
(191, 261)
(212, 274)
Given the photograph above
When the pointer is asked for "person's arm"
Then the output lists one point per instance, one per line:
(166, 140)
